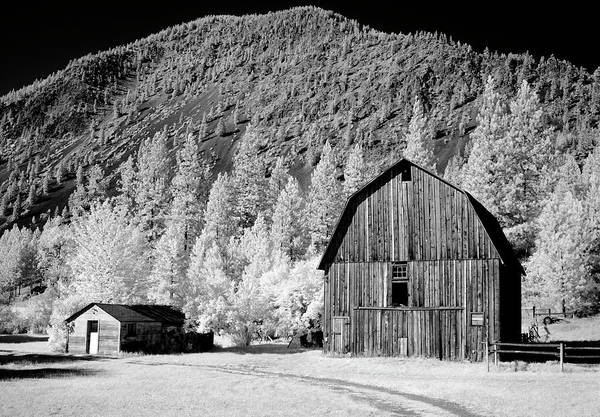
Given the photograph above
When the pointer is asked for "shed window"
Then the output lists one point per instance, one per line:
(131, 330)
(399, 284)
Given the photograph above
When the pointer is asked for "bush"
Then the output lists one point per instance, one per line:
(58, 330)
(36, 311)
(11, 322)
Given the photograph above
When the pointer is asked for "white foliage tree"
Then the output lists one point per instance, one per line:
(109, 262)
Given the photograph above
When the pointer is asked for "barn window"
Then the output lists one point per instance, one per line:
(406, 174)
(131, 330)
(399, 284)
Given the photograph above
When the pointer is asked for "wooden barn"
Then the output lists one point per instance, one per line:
(108, 329)
(417, 267)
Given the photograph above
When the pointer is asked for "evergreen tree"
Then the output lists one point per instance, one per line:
(96, 188)
(31, 195)
(256, 247)
(79, 176)
(126, 185)
(556, 271)
(453, 171)
(277, 182)
(324, 200)
(220, 128)
(3, 204)
(521, 156)
(418, 140)
(220, 222)
(59, 173)
(207, 286)
(152, 192)
(170, 261)
(478, 171)
(288, 223)
(16, 213)
(189, 189)
(591, 179)
(203, 128)
(249, 179)
(355, 171)
(45, 186)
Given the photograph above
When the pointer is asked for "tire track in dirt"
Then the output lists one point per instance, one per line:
(381, 398)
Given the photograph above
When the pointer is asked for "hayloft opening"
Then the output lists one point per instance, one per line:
(406, 174)
(400, 284)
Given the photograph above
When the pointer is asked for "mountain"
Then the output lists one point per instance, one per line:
(301, 77)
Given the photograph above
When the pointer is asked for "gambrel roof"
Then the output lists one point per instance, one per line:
(489, 222)
(137, 313)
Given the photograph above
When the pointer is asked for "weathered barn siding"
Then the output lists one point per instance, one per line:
(454, 269)
(432, 332)
(420, 219)
(108, 333)
(470, 285)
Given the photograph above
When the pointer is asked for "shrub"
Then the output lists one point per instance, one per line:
(36, 311)
(11, 322)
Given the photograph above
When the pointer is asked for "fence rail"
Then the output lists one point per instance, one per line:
(558, 350)
(547, 312)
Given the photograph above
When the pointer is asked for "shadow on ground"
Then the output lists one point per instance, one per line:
(35, 358)
(44, 373)
(265, 348)
(21, 338)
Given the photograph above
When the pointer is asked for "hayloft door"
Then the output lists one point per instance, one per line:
(92, 337)
(341, 334)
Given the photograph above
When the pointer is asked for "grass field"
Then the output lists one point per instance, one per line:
(270, 380)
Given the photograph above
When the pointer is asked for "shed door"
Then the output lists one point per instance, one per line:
(341, 334)
(92, 337)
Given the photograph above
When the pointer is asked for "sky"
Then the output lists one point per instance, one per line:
(37, 39)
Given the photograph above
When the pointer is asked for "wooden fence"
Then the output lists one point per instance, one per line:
(24, 289)
(557, 350)
(533, 312)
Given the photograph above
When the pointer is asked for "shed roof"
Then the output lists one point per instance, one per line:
(489, 222)
(137, 313)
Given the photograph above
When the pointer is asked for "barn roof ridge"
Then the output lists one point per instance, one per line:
(136, 312)
(499, 240)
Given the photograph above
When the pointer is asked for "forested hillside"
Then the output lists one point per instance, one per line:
(206, 165)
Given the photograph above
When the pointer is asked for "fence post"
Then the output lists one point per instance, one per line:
(533, 312)
(562, 357)
(496, 355)
(487, 355)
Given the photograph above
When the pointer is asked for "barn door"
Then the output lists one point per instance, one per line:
(92, 337)
(341, 334)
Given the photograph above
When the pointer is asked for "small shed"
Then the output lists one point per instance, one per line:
(108, 329)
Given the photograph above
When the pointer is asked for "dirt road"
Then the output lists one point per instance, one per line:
(271, 380)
